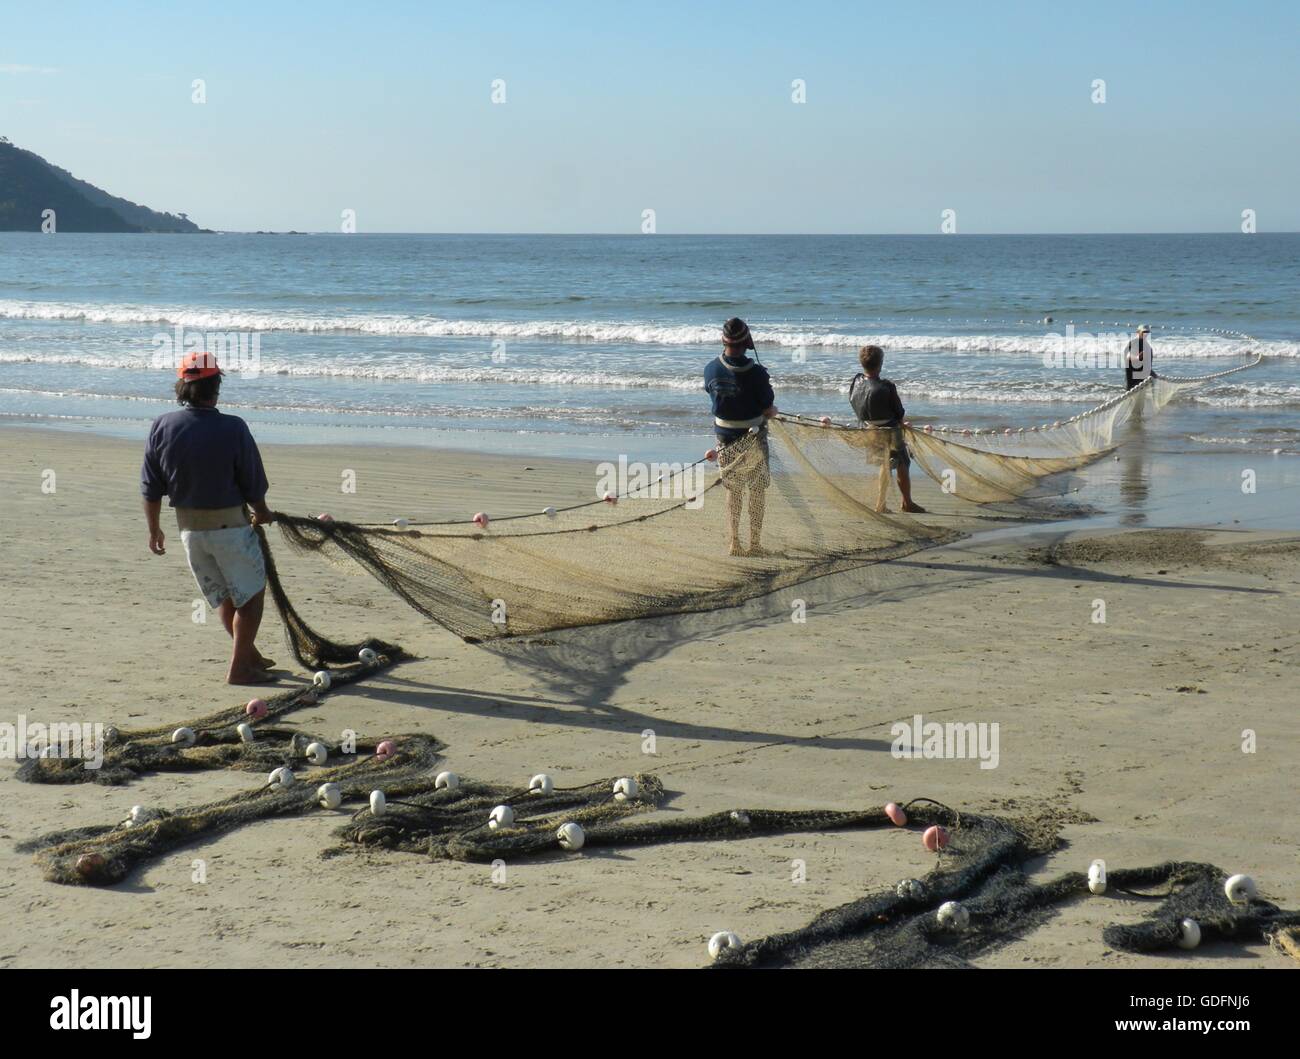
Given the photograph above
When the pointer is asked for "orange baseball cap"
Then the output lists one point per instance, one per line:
(197, 366)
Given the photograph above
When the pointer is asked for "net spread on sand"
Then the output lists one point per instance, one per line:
(897, 926)
(661, 546)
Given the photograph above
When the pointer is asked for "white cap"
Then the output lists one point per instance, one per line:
(1143, 329)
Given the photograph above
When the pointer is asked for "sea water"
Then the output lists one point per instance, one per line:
(595, 345)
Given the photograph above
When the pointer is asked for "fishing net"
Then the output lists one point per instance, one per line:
(812, 497)
(982, 872)
(105, 854)
(128, 753)
(660, 548)
(793, 501)
(445, 818)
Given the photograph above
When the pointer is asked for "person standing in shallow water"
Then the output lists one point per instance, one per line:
(743, 401)
(208, 464)
(877, 405)
(1137, 358)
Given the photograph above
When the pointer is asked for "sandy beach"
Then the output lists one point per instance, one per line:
(1130, 730)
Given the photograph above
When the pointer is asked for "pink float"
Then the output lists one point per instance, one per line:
(481, 520)
(826, 421)
(610, 498)
(711, 455)
(90, 864)
(324, 516)
(896, 815)
(385, 750)
(256, 709)
(935, 838)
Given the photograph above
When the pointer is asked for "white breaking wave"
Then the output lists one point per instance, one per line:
(982, 391)
(1090, 338)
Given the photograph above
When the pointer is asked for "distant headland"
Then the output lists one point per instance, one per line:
(36, 195)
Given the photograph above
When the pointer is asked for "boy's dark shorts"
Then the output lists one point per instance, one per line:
(898, 457)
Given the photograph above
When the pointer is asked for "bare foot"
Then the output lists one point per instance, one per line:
(734, 548)
(249, 676)
(883, 510)
(757, 551)
(264, 662)
(915, 509)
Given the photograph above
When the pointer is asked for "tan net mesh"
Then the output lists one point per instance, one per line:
(795, 500)
(806, 495)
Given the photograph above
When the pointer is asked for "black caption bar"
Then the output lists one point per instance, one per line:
(217, 1007)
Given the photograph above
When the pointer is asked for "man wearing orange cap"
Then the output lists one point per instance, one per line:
(207, 463)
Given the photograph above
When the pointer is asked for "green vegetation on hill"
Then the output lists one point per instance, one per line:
(29, 185)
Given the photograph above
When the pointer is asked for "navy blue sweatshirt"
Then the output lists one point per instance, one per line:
(201, 458)
(740, 389)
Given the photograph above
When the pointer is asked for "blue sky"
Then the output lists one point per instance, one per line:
(683, 108)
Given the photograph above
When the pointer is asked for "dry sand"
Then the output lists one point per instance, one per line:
(1136, 723)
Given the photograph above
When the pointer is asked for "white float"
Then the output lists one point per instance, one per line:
(401, 523)
(246, 733)
(281, 778)
(321, 679)
(378, 803)
(721, 942)
(911, 890)
(549, 512)
(317, 753)
(1240, 889)
(184, 737)
(541, 784)
(446, 781)
(1097, 877)
(571, 836)
(1189, 934)
(367, 656)
(953, 916)
(501, 817)
(330, 795)
(625, 788)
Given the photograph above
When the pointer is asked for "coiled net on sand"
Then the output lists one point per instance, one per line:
(983, 870)
(131, 752)
(896, 927)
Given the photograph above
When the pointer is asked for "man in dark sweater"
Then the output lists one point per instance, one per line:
(1137, 358)
(743, 401)
(877, 405)
(209, 466)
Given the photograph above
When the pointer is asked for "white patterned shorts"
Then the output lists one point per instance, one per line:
(226, 563)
